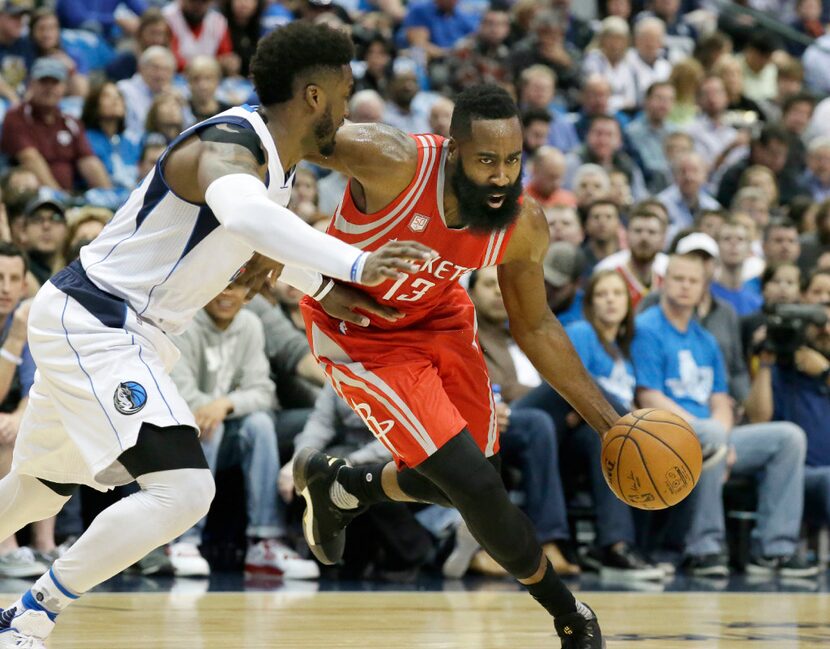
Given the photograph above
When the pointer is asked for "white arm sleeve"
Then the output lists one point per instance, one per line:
(305, 281)
(240, 203)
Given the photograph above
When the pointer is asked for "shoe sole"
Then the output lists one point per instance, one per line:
(458, 562)
(804, 572)
(326, 552)
(711, 572)
(649, 574)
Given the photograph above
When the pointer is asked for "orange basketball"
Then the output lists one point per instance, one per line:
(651, 459)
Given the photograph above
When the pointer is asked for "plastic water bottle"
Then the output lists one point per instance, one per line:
(497, 393)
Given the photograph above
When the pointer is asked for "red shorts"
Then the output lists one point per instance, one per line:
(415, 388)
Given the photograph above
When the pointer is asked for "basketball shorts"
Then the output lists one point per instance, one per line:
(101, 373)
(414, 388)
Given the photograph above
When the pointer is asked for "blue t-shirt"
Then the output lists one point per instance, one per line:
(805, 401)
(745, 301)
(686, 366)
(574, 312)
(445, 29)
(120, 155)
(614, 375)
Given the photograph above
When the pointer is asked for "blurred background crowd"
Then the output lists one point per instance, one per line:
(681, 152)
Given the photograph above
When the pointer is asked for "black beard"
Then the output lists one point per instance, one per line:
(324, 132)
(473, 209)
(641, 259)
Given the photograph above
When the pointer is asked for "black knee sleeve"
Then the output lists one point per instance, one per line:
(420, 488)
(164, 449)
(474, 486)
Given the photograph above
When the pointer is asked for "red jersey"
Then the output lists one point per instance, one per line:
(417, 214)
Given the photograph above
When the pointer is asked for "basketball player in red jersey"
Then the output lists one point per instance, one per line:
(419, 380)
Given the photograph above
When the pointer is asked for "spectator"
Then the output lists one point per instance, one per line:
(709, 222)
(817, 175)
(680, 34)
(796, 111)
(17, 370)
(19, 187)
(223, 376)
(564, 267)
(199, 29)
(595, 102)
(16, 51)
(244, 18)
(752, 202)
(45, 235)
(535, 131)
(807, 22)
(609, 60)
(759, 72)
(603, 146)
(642, 265)
(203, 76)
(620, 192)
(733, 245)
(590, 183)
(85, 224)
(685, 374)
(763, 179)
(781, 244)
(545, 184)
(376, 74)
(166, 116)
(647, 58)
(435, 26)
(686, 77)
(546, 45)
(677, 144)
(152, 30)
(156, 67)
(407, 107)
(602, 231)
(796, 389)
(483, 57)
(528, 438)
(44, 139)
(45, 33)
(714, 137)
(104, 117)
(151, 150)
(578, 32)
(603, 342)
(564, 225)
(728, 69)
(686, 197)
(100, 17)
(815, 244)
(647, 133)
(709, 49)
(537, 89)
(440, 116)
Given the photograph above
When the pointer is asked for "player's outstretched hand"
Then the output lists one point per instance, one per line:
(395, 260)
(259, 271)
(343, 302)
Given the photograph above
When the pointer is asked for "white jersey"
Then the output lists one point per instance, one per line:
(168, 257)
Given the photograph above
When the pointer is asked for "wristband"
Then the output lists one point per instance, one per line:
(12, 358)
(323, 292)
(357, 268)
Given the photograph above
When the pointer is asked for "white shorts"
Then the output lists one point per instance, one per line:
(101, 373)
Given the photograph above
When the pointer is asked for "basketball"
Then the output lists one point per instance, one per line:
(651, 459)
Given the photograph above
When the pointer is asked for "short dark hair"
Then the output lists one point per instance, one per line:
(293, 50)
(599, 202)
(779, 223)
(769, 272)
(481, 101)
(763, 41)
(90, 114)
(773, 133)
(536, 115)
(8, 249)
(656, 86)
(797, 98)
(807, 279)
(602, 118)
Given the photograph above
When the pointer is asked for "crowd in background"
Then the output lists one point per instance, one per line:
(680, 150)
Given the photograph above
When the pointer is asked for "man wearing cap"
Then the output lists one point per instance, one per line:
(47, 141)
(563, 267)
(45, 232)
(16, 52)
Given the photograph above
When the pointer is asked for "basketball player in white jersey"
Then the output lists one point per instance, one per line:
(103, 411)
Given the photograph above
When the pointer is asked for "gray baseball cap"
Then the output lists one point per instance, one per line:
(47, 68)
(563, 264)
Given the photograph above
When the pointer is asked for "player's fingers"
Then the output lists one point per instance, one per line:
(346, 314)
(402, 264)
(380, 310)
(410, 250)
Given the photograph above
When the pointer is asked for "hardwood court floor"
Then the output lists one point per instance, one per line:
(455, 620)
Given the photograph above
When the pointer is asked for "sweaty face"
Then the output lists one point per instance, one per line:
(338, 89)
(488, 174)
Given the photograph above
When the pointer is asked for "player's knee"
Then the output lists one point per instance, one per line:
(193, 503)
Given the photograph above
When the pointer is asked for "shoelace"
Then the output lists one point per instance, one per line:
(6, 618)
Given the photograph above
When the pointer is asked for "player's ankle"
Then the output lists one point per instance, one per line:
(365, 484)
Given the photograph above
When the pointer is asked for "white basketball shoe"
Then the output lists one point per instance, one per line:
(27, 630)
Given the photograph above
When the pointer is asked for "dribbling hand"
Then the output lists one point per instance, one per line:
(394, 260)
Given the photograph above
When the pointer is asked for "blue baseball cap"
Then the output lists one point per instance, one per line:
(48, 68)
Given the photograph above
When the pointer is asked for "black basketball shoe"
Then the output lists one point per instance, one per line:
(579, 630)
(324, 523)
